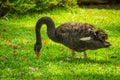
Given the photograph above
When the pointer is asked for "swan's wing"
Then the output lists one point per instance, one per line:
(79, 36)
(75, 30)
(74, 34)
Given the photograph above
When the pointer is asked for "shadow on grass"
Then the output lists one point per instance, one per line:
(80, 60)
(71, 75)
(81, 76)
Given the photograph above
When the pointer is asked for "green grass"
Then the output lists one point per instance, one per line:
(22, 64)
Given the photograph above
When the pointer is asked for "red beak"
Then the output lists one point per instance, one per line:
(37, 53)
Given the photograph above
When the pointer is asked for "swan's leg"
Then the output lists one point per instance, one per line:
(73, 54)
(84, 54)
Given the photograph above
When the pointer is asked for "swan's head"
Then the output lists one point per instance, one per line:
(37, 48)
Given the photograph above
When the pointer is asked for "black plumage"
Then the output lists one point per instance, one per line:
(75, 35)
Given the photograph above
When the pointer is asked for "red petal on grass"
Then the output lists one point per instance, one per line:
(14, 47)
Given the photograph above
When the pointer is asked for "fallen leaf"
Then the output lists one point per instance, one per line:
(3, 37)
(118, 65)
(22, 47)
(8, 42)
(44, 41)
(37, 69)
(33, 69)
(33, 29)
(23, 59)
(1, 58)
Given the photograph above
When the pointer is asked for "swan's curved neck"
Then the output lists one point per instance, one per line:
(50, 29)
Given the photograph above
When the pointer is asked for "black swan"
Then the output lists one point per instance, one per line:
(75, 35)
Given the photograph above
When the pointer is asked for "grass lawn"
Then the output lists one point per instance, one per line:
(18, 61)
